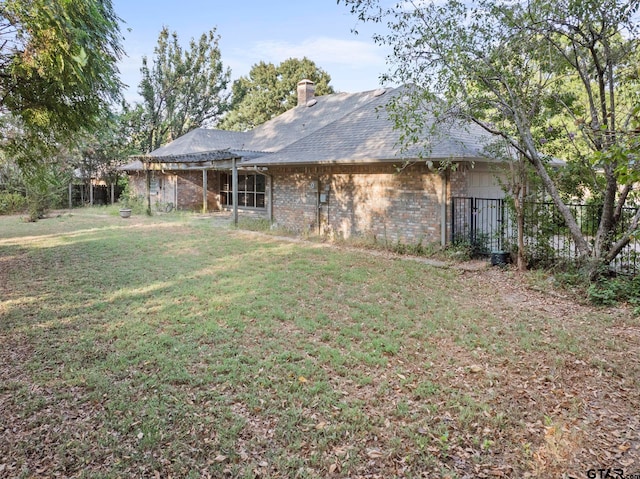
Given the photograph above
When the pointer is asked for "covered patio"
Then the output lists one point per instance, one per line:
(162, 172)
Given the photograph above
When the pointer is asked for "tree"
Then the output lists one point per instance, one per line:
(182, 90)
(58, 70)
(270, 90)
(542, 77)
(99, 153)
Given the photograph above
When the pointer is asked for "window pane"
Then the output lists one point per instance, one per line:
(251, 201)
(225, 182)
(251, 184)
(260, 183)
(260, 200)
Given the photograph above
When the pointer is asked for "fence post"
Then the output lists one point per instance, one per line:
(453, 219)
(472, 220)
(501, 221)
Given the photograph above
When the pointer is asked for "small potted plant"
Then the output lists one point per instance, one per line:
(125, 209)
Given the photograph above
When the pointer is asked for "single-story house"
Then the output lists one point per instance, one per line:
(331, 165)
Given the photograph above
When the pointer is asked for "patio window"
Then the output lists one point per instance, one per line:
(251, 190)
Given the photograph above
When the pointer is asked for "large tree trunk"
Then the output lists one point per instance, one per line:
(604, 236)
(576, 233)
(528, 148)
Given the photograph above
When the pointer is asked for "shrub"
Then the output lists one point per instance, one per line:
(127, 199)
(12, 203)
(611, 291)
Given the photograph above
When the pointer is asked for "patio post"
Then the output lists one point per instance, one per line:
(148, 189)
(204, 191)
(234, 187)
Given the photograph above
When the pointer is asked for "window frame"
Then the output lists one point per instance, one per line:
(252, 193)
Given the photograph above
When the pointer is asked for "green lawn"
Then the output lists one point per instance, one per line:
(169, 347)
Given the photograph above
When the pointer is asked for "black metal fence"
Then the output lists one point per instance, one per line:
(487, 225)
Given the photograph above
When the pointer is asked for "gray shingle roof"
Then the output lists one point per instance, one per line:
(337, 128)
(367, 134)
(201, 140)
(303, 120)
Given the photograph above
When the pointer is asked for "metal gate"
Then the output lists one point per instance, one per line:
(483, 223)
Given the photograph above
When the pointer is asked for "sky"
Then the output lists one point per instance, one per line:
(257, 30)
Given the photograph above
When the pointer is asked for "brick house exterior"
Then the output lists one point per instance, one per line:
(329, 166)
(374, 201)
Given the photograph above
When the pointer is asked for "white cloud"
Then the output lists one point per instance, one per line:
(353, 65)
(322, 50)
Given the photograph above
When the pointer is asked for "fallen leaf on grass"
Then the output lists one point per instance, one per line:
(374, 453)
(340, 451)
(220, 458)
(474, 368)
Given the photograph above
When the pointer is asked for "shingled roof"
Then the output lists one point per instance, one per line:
(337, 128)
(367, 134)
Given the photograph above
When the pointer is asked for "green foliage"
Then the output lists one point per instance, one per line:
(270, 90)
(182, 89)
(612, 291)
(548, 78)
(46, 187)
(463, 247)
(11, 179)
(99, 153)
(128, 199)
(58, 68)
(12, 203)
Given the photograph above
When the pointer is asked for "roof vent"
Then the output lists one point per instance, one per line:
(312, 102)
(379, 92)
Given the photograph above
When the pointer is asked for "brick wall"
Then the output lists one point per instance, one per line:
(458, 180)
(368, 200)
(374, 201)
(188, 185)
(190, 190)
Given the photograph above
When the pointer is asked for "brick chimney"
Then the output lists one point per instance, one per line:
(306, 91)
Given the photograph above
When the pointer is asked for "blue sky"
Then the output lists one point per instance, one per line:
(255, 30)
